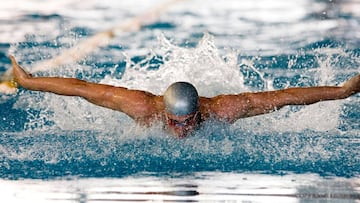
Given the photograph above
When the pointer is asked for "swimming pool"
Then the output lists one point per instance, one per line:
(63, 149)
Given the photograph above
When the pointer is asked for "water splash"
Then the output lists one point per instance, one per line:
(186, 64)
(204, 66)
(74, 135)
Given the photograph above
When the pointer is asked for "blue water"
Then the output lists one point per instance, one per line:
(226, 47)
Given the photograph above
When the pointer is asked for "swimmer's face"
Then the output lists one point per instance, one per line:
(181, 126)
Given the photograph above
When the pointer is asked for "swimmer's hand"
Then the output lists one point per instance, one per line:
(20, 75)
(352, 86)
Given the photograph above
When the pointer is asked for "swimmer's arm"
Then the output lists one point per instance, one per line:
(137, 104)
(233, 107)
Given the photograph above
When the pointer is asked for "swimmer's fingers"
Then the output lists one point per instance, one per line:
(18, 72)
(353, 85)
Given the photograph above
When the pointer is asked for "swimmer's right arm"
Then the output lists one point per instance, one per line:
(135, 103)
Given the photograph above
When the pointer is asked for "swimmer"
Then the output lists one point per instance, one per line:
(181, 109)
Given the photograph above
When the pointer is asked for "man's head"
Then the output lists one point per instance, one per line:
(181, 101)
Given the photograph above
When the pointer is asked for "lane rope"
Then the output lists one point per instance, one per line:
(88, 45)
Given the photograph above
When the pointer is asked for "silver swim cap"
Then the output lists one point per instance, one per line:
(181, 98)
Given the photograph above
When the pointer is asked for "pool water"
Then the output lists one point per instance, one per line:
(64, 149)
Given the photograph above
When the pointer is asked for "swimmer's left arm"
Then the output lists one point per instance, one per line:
(233, 107)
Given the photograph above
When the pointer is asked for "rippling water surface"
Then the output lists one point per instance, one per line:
(55, 148)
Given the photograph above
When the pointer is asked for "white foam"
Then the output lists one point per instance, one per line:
(203, 66)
